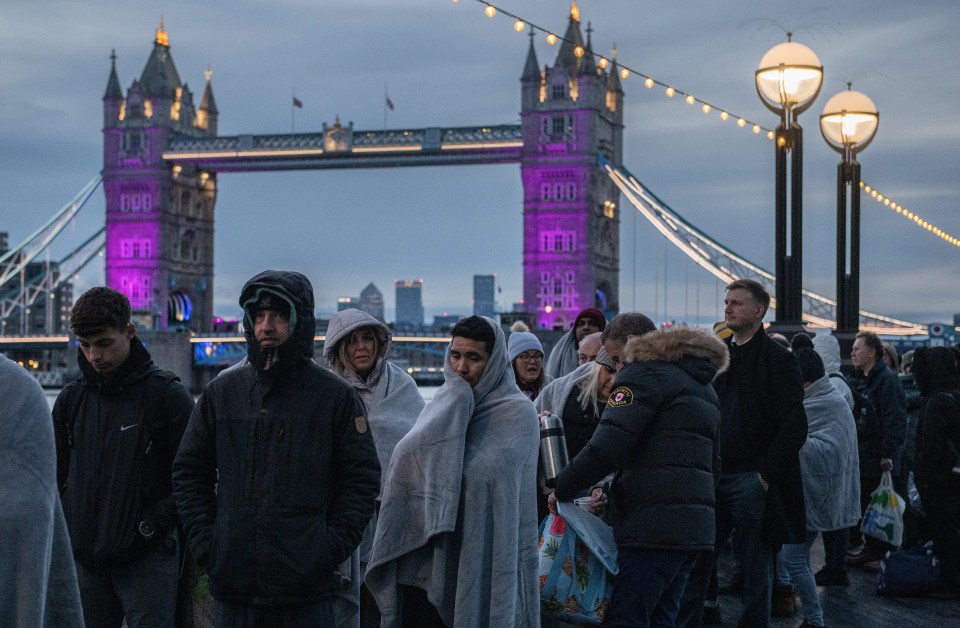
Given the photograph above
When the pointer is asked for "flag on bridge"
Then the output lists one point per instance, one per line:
(389, 103)
(297, 103)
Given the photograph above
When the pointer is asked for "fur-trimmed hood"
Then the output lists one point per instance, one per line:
(679, 344)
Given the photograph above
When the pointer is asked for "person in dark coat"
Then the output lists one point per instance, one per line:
(938, 457)
(762, 428)
(880, 436)
(659, 432)
(277, 474)
(117, 430)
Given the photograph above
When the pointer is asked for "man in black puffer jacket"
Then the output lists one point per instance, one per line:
(277, 474)
(660, 432)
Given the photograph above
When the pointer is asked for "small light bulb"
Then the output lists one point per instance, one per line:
(519, 26)
(670, 92)
(705, 108)
(551, 38)
(624, 73)
(724, 115)
(770, 135)
(602, 62)
(886, 202)
(490, 10)
(690, 99)
(648, 83)
(578, 51)
(756, 128)
(781, 141)
(879, 197)
(741, 123)
(866, 189)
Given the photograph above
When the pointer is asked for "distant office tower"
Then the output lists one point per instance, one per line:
(346, 303)
(409, 302)
(371, 301)
(485, 295)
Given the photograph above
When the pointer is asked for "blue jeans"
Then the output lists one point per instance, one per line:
(144, 591)
(310, 615)
(741, 504)
(793, 565)
(648, 587)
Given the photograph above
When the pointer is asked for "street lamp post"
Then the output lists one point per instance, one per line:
(848, 124)
(788, 81)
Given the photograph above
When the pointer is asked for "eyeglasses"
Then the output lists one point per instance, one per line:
(530, 357)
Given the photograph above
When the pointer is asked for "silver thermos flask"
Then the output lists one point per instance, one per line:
(553, 449)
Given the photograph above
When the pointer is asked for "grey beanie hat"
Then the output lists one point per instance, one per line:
(521, 341)
(604, 358)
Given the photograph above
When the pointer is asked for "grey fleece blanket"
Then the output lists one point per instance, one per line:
(38, 579)
(458, 517)
(563, 357)
(555, 394)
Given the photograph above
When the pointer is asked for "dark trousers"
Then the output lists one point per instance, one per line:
(417, 611)
(648, 587)
(835, 543)
(310, 615)
(143, 592)
(944, 518)
(741, 504)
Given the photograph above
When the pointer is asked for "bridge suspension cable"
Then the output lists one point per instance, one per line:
(18, 292)
(727, 266)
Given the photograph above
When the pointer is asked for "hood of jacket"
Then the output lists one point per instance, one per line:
(829, 350)
(697, 351)
(295, 289)
(344, 323)
(935, 369)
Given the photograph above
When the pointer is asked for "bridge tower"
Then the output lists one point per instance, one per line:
(159, 238)
(571, 220)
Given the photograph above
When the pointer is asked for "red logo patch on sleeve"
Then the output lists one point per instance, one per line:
(621, 396)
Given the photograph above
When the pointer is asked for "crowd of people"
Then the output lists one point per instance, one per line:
(333, 496)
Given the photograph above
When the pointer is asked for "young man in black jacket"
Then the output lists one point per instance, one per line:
(117, 431)
(277, 474)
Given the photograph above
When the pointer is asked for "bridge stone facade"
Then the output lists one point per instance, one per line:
(162, 155)
(571, 220)
(159, 240)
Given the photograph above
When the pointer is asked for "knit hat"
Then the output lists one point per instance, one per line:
(604, 358)
(810, 363)
(592, 313)
(521, 341)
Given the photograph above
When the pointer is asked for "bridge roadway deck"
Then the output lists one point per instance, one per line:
(854, 606)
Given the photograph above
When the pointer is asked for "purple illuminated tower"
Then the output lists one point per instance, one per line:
(571, 220)
(159, 241)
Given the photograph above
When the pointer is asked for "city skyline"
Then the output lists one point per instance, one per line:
(451, 66)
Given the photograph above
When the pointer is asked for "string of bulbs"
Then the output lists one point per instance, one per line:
(909, 215)
(520, 24)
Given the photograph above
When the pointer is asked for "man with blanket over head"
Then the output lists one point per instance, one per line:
(564, 357)
(456, 540)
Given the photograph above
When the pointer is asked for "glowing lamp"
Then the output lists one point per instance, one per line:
(789, 77)
(490, 11)
(849, 121)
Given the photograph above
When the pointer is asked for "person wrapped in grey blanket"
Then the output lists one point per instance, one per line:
(37, 574)
(458, 517)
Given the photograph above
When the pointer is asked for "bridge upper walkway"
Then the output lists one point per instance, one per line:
(342, 147)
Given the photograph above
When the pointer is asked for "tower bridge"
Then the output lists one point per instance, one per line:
(163, 155)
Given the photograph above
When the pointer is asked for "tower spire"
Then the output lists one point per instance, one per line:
(113, 83)
(531, 68)
(574, 11)
(162, 38)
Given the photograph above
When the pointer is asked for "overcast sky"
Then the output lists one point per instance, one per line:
(446, 64)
